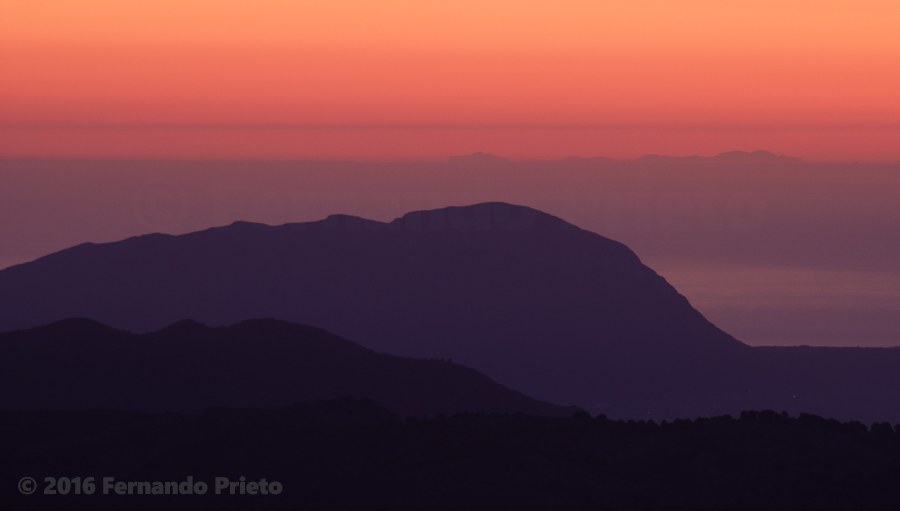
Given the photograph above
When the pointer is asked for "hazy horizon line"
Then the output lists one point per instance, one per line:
(444, 158)
(750, 126)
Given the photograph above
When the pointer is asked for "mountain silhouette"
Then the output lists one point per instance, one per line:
(559, 313)
(187, 366)
(537, 304)
(756, 157)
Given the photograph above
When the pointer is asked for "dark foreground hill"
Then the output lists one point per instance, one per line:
(559, 313)
(82, 364)
(348, 454)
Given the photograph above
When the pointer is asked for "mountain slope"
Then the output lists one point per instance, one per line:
(80, 364)
(556, 312)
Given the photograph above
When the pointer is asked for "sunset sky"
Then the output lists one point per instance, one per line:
(274, 79)
(108, 107)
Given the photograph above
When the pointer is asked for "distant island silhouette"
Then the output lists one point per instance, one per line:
(558, 313)
(758, 156)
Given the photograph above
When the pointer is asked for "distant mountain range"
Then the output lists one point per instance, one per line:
(82, 364)
(758, 156)
(556, 312)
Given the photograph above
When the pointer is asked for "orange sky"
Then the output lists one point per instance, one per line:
(422, 80)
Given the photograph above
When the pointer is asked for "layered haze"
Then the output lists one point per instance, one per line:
(119, 119)
(772, 250)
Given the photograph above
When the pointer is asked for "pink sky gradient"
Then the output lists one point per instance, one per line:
(404, 80)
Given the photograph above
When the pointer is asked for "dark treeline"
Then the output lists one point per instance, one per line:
(353, 454)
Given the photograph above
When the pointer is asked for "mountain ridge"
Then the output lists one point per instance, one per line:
(545, 308)
(79, 363)
(734, 156)
(536, 303)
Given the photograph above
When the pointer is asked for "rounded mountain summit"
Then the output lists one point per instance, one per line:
(554, 311)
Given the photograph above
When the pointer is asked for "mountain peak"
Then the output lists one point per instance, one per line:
(755, 156)
(480, 217)
(539, 304)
